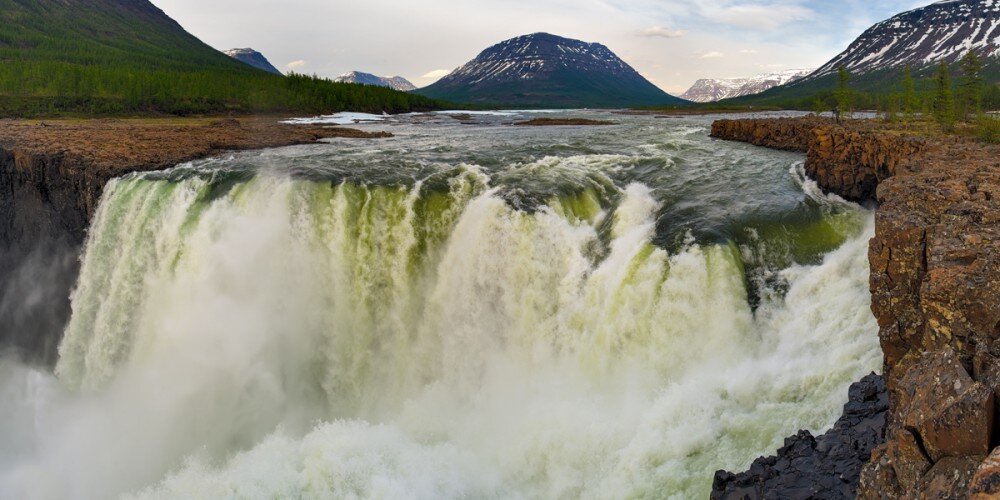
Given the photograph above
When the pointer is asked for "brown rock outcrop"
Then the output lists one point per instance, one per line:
(935, 283)
(51, 178)
(850, 161)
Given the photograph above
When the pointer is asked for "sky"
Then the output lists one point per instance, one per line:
(671, 42)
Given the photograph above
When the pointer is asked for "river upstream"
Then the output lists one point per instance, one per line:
(466, 310)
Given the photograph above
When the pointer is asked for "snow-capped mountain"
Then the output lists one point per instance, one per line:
(711, 90)
(253, 58)
(548, 70)
(941, 31)
(394, 82)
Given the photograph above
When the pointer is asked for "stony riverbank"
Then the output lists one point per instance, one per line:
(51, 177)
(935, 282)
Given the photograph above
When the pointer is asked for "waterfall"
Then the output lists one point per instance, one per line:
(275, 336)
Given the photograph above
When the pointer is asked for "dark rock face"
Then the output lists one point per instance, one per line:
(51, 179)
(43, 218)
(547, 70)
(827, 466)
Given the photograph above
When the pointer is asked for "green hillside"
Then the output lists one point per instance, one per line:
(127, 56)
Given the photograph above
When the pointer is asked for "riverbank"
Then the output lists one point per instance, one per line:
(52, 173)
(935, 283)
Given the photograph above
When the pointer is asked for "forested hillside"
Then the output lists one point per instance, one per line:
(127, 56)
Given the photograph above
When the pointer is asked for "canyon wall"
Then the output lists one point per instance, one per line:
(45, 204)
(935, 282)
(51, 179)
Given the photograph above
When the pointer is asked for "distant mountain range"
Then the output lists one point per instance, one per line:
(919, 38)
(395, 82)
(544, 70)
(711, 90)
(253, 58)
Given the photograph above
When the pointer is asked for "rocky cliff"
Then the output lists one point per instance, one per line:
(51, 178)
(935, 282)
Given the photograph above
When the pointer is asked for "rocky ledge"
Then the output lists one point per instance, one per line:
(554, 122)
(827, 466)
(935, 282)
(51, 178)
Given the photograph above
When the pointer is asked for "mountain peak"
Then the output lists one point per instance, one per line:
(253, 58)
(542, 69)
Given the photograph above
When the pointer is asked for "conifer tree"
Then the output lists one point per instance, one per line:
(909, 100)
(970, 85)
(943, 105)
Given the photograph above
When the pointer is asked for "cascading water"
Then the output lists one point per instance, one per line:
(516, 325)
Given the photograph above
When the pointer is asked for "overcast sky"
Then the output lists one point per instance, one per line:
(671, 42)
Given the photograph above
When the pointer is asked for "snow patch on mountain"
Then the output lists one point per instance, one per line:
(394, 82)
(942, 31)
(711, 90)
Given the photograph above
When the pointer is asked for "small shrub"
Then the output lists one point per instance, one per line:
(988, 128)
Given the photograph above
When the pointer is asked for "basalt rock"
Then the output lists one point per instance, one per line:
(850, 161)
(827, 466)
(775, 133)
(935, 285)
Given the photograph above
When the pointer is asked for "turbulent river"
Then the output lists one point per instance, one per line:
(467, 310)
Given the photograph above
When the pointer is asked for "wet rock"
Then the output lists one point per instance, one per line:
(827, 466)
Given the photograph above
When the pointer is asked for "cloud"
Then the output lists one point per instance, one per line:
(438, 73)
(749, 51)
(661, 32)
(758, 16)
(713, 55)
(299, 64)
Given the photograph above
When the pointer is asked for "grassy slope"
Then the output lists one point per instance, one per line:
(127, 56)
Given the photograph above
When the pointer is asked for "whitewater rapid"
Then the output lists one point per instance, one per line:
(271, 336)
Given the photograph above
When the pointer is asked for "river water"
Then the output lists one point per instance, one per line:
(469, 309)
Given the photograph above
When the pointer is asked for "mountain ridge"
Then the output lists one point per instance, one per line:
(716, 89)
